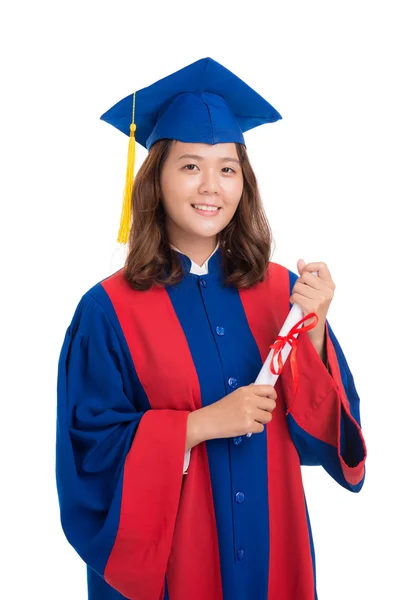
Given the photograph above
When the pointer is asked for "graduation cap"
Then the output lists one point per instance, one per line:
(201, 103)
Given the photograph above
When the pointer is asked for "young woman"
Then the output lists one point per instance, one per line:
(161, 492)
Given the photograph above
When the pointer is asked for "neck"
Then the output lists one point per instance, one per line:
(197, 249)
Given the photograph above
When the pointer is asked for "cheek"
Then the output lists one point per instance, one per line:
(177, 188)
(233, 190)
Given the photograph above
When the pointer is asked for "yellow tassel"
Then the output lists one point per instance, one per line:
(126, 214)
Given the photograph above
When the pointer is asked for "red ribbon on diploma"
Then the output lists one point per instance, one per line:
(281, 342)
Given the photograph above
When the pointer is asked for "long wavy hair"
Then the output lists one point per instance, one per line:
(245, 242)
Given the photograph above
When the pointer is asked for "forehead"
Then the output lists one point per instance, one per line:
(206, 151)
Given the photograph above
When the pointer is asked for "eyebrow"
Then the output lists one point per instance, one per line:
(197, 157)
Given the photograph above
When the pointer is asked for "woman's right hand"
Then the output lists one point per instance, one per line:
(246, 410)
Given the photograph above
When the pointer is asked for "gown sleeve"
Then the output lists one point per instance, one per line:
(118, 469)
(324, 416)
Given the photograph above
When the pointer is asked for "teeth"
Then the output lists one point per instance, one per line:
(208, 208)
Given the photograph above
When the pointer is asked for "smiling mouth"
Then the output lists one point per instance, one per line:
(209, 210)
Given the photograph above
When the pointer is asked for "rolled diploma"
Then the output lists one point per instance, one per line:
(265, 376)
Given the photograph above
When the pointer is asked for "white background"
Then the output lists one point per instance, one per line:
(329, 178)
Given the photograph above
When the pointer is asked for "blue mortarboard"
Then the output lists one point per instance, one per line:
(201, 103)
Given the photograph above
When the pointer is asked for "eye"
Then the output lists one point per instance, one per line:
(189, 169)
(229, 169)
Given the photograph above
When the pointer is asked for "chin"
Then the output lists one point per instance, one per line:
(206, 234)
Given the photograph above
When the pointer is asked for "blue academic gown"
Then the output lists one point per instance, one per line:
(132, 367)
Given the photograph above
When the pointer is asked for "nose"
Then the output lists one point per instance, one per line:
(210, 182)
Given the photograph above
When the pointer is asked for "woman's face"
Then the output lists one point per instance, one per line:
(196, 175)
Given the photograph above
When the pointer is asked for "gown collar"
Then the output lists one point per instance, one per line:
(211, 265)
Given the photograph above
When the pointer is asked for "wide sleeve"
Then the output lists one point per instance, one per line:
(118, 469)
(324, 416)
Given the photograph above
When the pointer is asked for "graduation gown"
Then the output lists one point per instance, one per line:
(132, 367)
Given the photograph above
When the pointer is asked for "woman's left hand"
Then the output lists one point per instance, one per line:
(314, 293)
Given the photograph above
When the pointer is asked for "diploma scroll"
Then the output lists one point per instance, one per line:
(266, 376)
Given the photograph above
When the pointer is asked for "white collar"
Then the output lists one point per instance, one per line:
(195, 268)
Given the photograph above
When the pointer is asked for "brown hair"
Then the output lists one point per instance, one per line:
(245, 242)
